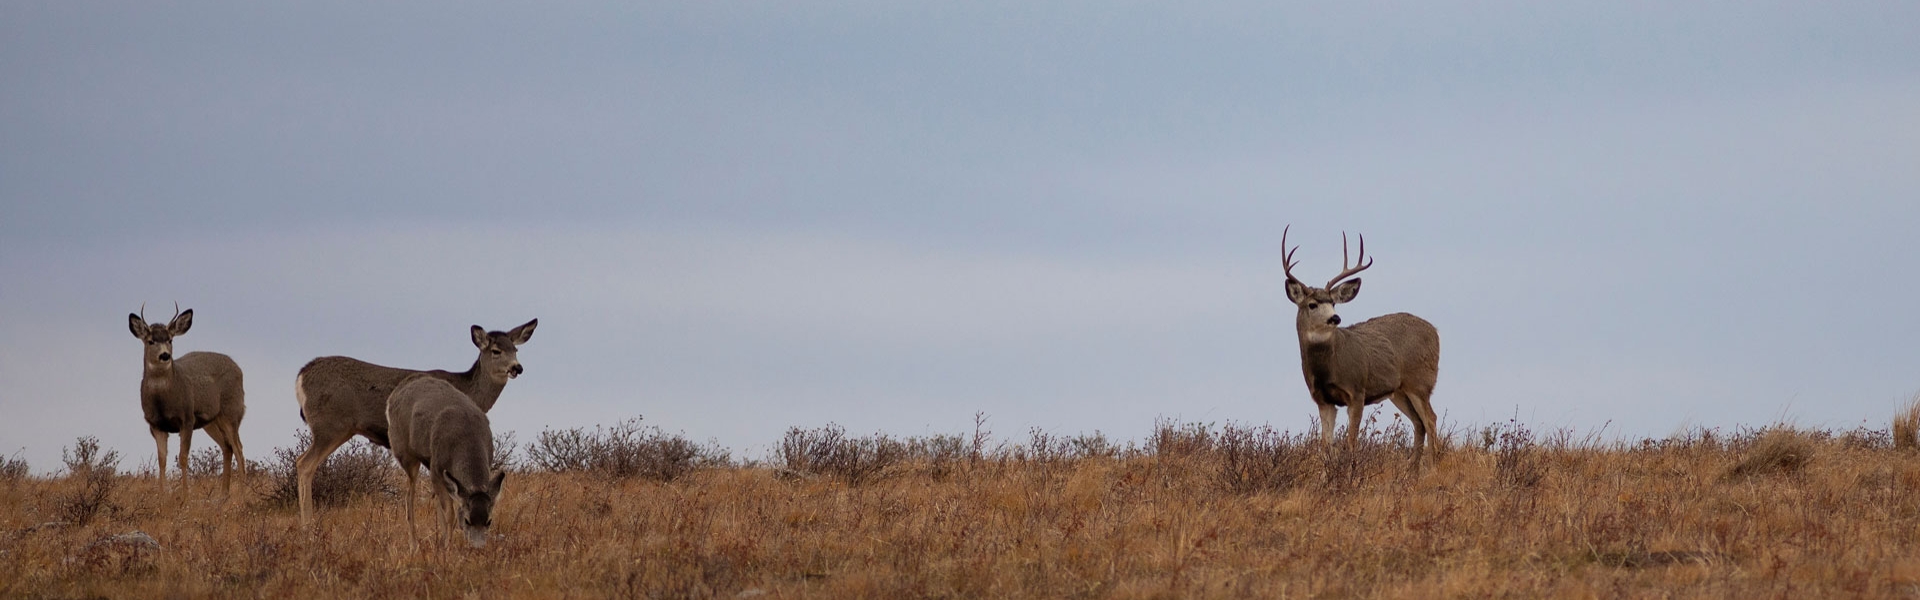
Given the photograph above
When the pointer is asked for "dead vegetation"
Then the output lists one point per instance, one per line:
(357, 470)
(1190, 510)
(1906, 425)
(626, 450)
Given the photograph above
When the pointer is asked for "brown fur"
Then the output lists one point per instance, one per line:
(341, 397)
(184, 393)
(435, 425)
(1393, 356)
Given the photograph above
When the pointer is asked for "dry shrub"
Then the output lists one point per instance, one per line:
(1780, 451)
(624, 450)
(1261, 459)
(1347, 468)
(1173, 439)
(207, 462)
(85, 456)
(827, 451)
(1906, 425)
(97, 473)
(506, 452)
(1043, 446)
(940, 456)
(1516, 458)
(14, 469)
(356, 470)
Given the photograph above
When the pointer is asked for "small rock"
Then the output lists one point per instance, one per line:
(135, 538)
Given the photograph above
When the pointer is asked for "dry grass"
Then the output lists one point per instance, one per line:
(1196, 511)
(1906, 425)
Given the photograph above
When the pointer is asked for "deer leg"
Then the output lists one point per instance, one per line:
(1354, 409)
(160, 446)
(309, 464)
(221, 437)
(186, 448)
(413, 537)
(1420, 429)
(1327, 413)
(442, 504)
(1423, 402)
(239, 453)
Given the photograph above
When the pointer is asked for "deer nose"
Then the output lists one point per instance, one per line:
(166, 356)
(515, 370)
(1333, 320)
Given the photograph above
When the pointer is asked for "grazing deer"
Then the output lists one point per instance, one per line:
(192, 391)
(342, 397)
(431, 423)
(1396, 355)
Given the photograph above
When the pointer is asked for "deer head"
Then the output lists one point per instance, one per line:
(159, 339)
(473, 504)
(500, 351)
(1316, 319)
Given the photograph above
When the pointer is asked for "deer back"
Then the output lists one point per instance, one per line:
(214, 382)
(1374, 357)
(432, 422)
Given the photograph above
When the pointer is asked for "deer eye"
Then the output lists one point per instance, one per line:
(1313, 305)
(496, 352)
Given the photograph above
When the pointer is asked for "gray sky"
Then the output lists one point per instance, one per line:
(733, 218)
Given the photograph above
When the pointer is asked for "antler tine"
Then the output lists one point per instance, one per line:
(1357, 267)
(176, 310)
(1286, 254)
(143, 312)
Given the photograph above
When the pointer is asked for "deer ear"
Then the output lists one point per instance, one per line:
(479, 337)
(499, 477)
(182, 323)
(524, 332)
(1345, 292)
(452, 485)
(1296, 291)
(138, 325)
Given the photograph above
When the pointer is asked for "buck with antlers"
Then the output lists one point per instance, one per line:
(1390, 356)
(192, 391)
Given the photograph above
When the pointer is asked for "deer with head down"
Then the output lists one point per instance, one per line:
(341, 397)
(1390, 356)
(432, 424)
(192, 391)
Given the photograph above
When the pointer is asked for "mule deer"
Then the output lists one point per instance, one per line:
(433, 424)
(1396, 355)
(192, 391)
(342, 397)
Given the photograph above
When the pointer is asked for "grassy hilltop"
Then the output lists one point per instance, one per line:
(1193, 512)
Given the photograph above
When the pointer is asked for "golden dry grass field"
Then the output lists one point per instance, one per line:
(1193, 512)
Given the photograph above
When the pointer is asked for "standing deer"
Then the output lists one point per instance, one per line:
(193, 391)
(342, 397)
(433, 424)
(1396, 355)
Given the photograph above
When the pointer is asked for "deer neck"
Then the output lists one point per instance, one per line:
(481, 387)
(156, 385)
(157, 378)
(1319, 337)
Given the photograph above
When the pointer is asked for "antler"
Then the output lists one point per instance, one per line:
(1286, 256)
(143, 312)
(1357, 267)
(176, 306)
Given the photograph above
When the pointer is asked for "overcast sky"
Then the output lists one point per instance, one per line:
(736, 217)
